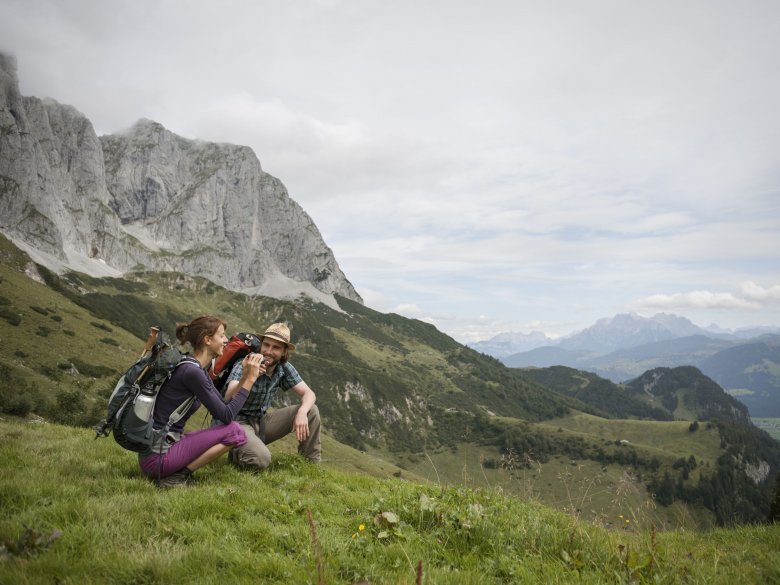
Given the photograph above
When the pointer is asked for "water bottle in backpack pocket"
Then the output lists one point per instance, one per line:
(143, 405)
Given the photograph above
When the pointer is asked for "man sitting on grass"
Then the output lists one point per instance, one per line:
(263, 427)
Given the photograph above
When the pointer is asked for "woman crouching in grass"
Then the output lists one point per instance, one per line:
(173, 457)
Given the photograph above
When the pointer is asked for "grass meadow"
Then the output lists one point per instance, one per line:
(76, 510)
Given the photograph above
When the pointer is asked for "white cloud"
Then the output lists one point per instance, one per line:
(699, 299)
(755, 292)
(749, 296)
(273, 126)
(374, 299)
(410, 310)
(482, 167)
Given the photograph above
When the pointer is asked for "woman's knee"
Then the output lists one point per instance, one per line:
(234, 435)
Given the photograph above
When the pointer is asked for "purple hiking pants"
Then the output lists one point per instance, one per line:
(190, 447)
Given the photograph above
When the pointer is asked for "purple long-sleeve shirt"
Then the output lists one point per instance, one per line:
(189, 379)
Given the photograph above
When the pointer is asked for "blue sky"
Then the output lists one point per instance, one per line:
(485, 166)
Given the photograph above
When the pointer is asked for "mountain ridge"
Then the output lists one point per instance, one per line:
(747, 368)
(146, 198)
(624, 346)
(629, 330)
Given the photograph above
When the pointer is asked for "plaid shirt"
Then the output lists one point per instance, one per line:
(264, 389)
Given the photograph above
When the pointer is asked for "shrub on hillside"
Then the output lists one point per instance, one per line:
(11, 317)
(92, 370)
(13, 403)
(70, 408)
(17, 396)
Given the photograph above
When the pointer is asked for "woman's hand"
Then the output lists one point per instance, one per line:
(252, 369)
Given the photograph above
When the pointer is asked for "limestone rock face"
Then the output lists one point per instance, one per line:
(149, 199)
(52, 191)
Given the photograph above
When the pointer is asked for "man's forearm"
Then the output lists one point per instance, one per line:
(308, 399)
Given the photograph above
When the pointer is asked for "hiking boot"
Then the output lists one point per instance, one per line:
(178, 479)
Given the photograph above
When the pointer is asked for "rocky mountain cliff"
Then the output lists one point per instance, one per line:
(147, 199)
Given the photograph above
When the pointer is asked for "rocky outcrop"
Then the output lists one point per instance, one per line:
(149, 199)
(53, 195)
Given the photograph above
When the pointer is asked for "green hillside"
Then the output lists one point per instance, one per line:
(752, 371)
(607, 398)
(377, 375)
(75, 510)
(688, 394)
(747, 369)
(398, 390)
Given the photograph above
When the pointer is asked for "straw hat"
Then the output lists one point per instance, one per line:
(280, 332)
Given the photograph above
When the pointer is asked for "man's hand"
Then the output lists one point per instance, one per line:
(301, 425)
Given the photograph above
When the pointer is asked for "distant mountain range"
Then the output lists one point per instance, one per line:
(620, 348)
(506, 344)
(630, 330)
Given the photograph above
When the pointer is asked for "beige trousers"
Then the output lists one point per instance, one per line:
(272, 427)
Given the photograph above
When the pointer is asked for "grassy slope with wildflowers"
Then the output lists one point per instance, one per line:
(75, 510)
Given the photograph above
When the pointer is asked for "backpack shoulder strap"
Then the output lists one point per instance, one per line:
(187, 358)
(177, 414)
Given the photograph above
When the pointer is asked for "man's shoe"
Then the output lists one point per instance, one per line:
(233, 459)
(178, 479)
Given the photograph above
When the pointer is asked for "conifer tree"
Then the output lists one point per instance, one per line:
(774, 510)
